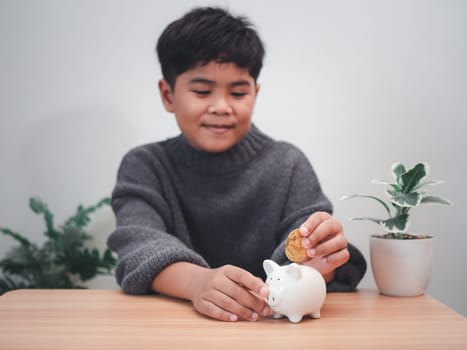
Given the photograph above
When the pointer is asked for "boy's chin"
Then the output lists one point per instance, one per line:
(215, 143)
(216, 146)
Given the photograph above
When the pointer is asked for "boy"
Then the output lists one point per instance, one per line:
(198, 213)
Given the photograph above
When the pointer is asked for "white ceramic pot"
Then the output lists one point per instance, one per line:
(401, 267)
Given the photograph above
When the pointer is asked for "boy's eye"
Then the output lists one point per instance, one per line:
(201, 92)
(238, 94)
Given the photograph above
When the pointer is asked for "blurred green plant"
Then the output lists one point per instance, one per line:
(63, 261)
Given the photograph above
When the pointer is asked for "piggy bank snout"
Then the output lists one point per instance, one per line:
(273, 298)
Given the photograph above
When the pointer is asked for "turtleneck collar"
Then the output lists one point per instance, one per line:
(184, 155)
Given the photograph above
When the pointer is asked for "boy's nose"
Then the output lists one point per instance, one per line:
(220, 106)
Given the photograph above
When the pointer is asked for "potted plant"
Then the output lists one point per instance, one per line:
(401, 262)
(63, 261)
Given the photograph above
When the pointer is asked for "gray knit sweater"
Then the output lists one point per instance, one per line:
(176, 203)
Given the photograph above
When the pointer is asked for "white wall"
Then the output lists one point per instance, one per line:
(357, 85)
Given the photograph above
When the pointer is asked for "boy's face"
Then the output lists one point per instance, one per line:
(213, 104)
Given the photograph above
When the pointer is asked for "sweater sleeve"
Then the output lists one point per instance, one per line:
(350, 274)
(142, 240)
(304, 198)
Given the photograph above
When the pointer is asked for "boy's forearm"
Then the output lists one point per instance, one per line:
(177, 280)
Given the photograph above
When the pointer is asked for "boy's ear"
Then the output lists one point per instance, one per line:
(257, 88)
(166, 95)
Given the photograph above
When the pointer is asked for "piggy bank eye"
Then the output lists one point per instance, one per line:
(278, 279)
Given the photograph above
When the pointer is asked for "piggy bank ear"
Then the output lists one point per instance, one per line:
(293, 270)
(269, 266)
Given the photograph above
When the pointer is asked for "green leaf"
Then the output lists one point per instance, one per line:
(436, 200)
(427, 183)
(22, 261)
(396, 224)
(407, 200)
(384, 182)
(108, 260)
(17, 236)
(368, 196)
(39, 207)
(381, 182)
(8, 282)
(82, 218)
(397, 170)
(411, 178)
(376, 221)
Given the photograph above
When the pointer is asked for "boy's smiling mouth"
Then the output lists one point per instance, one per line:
(218, 128)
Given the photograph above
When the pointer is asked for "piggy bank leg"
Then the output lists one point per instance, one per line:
(295, 318)
(277, 315)
(316, 314)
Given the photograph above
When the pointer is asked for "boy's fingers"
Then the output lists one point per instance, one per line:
(231, 305)
(247, 299)
(338, 258)
(244, 292)
(323, 232)
(210, 309)
(328, 246)
(247, 280)
(217, 300)
(313, 221)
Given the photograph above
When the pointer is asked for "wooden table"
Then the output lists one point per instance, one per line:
(109, 319)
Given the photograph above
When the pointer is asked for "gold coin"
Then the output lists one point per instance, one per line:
(293, 247)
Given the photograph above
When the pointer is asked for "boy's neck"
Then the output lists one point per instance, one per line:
(217, 163)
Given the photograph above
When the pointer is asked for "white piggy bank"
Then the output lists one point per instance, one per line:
(294, 290)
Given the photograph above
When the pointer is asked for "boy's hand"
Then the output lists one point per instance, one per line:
(325, 242)
(225, 294)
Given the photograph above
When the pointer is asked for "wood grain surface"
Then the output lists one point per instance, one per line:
(109, 319)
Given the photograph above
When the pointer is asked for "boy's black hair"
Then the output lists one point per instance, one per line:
(205, 34)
